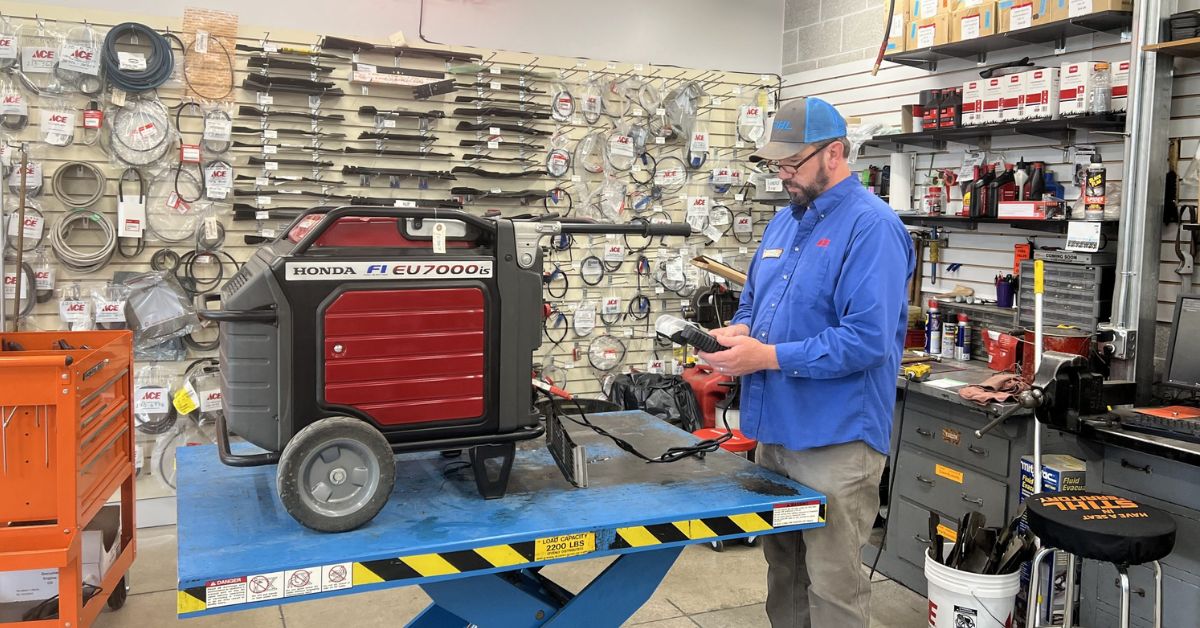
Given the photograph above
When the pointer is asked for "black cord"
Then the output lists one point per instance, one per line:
(673, 454)
(749, 236)
(639, 307)
(649, 240)
(560, 320)
(554, 193)
(548, 280)
(891, 483)
(228, 64)
(164, 260)
(650, 167)
(598, 262)
(159, 64)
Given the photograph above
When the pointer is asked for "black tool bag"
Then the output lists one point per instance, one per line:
(667, 397)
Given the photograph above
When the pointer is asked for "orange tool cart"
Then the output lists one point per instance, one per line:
(66, 448)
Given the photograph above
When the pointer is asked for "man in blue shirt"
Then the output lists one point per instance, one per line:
(817, 341)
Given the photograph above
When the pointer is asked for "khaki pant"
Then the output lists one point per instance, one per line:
(815, 577)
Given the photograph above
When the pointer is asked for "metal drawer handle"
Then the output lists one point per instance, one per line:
(924, 480)
(1138, 591)
(925, 433)
(979, 451)
(1129, 465)
(977, 502)
(920, 539)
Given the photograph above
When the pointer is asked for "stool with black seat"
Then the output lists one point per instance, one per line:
(1100, 527)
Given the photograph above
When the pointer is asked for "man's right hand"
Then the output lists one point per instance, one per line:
(741, 329)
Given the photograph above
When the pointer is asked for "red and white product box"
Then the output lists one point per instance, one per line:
(992, 93)
(1120, 86)
(1012, 99)
(1077, 86)
(1041, 94)
(972, 104)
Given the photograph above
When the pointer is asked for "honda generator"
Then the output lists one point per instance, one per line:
(362, 332)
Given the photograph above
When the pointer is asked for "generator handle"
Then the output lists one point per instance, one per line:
(371, 211)
(644, 228)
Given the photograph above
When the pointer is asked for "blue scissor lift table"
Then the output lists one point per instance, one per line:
(479, 559)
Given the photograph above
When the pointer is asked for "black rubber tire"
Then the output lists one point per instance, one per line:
(717, 546)
(117, 598)
(314, 437)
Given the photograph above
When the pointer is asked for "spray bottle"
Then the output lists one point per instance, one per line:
(933, 329)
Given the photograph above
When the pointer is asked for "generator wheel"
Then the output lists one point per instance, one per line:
(336, 474)
(117, 598)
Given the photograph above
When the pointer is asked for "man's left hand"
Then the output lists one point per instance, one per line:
(744, 355)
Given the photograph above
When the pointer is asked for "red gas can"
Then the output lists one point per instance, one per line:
(707, 385)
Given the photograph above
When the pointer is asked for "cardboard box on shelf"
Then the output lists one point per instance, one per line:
(1018, 14)
(101, 546)
(1120, 86)
(1065, 9)
(973, 22)
(896, 39)
(926, 32)
(1012, 98)
(924, 9)
(1081, 86)
(972, 103)
(1041, 94)
(992, 92)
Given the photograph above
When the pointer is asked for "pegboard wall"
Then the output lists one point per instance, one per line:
(281, 164)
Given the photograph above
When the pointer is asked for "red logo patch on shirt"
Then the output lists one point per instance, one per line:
(823, 242)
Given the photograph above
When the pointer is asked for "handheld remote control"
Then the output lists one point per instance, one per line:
(684, 333)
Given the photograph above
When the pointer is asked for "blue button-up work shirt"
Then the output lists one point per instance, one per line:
(828, 288)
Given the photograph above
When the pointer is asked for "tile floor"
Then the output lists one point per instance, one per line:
(704, 588)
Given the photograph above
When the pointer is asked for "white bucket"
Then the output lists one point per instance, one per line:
(958, 599)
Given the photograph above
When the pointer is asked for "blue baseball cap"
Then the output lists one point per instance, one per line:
(799, 123)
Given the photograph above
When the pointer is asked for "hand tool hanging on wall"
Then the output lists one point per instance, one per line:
(1171, 209)
(1187, 250)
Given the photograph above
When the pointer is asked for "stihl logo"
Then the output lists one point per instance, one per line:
(152, 395)
(74, 307)
(81, 54)
(58, 118)
(42, 53)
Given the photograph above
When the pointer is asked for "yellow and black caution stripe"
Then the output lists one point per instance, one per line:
(697, 529)
(191, 600)
(443, 563)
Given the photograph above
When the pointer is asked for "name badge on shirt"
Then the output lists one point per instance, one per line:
(770, 253)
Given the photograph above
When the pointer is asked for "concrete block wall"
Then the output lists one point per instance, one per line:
(823, 33)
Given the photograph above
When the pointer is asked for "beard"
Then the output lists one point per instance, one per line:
(804, 193)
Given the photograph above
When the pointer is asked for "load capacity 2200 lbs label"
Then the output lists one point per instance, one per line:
(564, 546)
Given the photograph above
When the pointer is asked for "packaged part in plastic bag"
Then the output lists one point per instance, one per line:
(157, 309)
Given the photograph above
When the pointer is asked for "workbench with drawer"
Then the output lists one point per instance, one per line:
(942, 467)
(1163, 473)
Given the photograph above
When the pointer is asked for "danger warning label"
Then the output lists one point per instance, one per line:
(227, 592)
(797, 514)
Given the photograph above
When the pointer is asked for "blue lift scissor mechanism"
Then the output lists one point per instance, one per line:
(479, 560)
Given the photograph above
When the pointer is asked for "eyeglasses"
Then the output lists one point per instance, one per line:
(774, 167)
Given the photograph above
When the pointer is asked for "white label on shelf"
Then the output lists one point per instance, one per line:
(970, 27)
(263, 200)
(439, 238)
(926, 35)
(774, 184)
(218, 129)
(743, 224)
(262, 215)
(1079, 8)
(699, 142)
(33, 227)
(58, 122)
(712, 233)
(131, 218)
(270, 134)
(614, 252)
(10, 286)
(33, 175)
(270, 149)
(1083, 236)
(621, 145)
(1021, 17)
(210, 400)
(927, 8)
(271, 165)
(74, 311)
(14, 104)
(612, 305)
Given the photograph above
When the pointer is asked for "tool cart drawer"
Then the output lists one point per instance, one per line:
(1167, 480)
(957, 442)
(910, 538)
(1181, 599)
(947, 486)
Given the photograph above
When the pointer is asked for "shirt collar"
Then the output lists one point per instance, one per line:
(830, 199)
